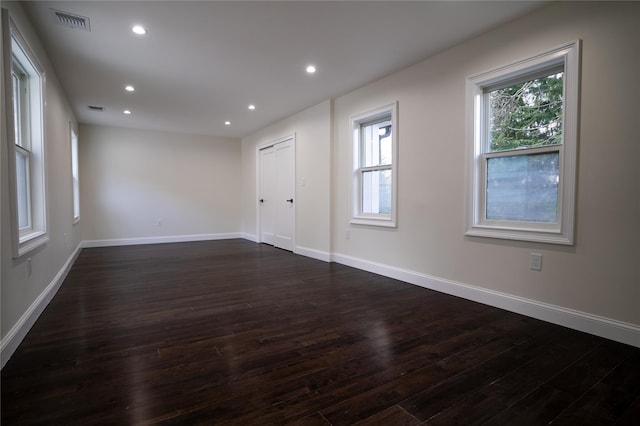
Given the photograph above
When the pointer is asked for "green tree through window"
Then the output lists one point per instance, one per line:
(527, 115)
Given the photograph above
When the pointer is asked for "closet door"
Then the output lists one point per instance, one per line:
(285, 188)
(267, 195)
(277, 194)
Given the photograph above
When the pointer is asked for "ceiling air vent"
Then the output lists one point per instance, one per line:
(72, 21)
(96, 108)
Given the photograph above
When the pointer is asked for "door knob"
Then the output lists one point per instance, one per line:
(290, 200)
(261, 200)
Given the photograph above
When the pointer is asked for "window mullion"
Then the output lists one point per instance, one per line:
(528, 151)
(375, 168)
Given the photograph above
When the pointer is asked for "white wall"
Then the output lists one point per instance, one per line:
(131, 178)
(312, 128)
(599, 274)
(21, 290)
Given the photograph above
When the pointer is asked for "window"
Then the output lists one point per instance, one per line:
(375, 147)
(26, 143)
(75, 175)
(523, 122)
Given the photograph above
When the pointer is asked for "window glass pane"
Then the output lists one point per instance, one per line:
(74, 175)
(526, 115)
(22, 184)
(523, 188)
(376, 191)
(76, 198)
(376, 144)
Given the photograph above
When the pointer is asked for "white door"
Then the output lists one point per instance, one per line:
(267, 195)
(285, 188)
(277, 194)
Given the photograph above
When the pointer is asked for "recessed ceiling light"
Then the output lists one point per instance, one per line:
(139, 29)
(311, 69)
(252, 107)
(129, 88)
(227, 123)
(126, 111)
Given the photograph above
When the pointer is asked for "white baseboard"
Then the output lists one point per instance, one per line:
(313, 253)
(249, 237)
(14, 337)
(160, 240)
(593, 324)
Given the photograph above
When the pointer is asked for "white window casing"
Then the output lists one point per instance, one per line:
(565, 59)
(371, 167)
(25, 140)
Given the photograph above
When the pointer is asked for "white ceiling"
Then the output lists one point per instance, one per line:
(202, 63)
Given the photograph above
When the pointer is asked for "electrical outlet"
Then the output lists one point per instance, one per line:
(347, 234)
(536, 262)
(29, 267)
(159, 221)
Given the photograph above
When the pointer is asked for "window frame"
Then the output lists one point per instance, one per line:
(357, 216)
(31, 138)
(567, 59)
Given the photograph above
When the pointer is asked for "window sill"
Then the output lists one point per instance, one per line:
(521, 235)
(385, 221)
(30, 242)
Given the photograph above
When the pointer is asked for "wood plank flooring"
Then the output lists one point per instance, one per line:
(232, 332)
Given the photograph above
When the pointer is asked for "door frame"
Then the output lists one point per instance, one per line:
(259, 148)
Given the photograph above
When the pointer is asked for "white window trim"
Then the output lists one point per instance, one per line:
(477, 225)
(357, 217)
(24, 242)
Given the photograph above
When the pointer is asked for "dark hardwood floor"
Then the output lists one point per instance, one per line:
(232, 332)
